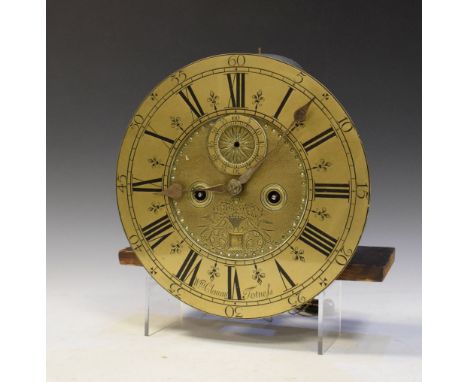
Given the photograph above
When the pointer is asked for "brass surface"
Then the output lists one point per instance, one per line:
(288, 177)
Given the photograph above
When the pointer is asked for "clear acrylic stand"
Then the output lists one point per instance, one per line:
(323, 318)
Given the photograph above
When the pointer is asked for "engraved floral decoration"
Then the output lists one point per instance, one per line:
(321, 213)
(298, 125)
(177, 246)
(155, 207)
(154, 162)
(323, 282)
(325, 96)
(257, 99)
(213, 272)
(153, 96)
(236, 226)
(153, 270)
(258, 275)
(298, 254)
(213, 100)
(176, 123)
(322, 165)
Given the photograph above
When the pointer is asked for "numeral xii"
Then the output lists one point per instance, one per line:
(236, 84)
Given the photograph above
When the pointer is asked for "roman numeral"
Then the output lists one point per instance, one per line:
(287, 280)
(196, 109)
(237, 89)
(137, 186)
(162, 138)
(283, 102)
(331, 190)
(318, 239)
(157, 231)
(319, 139)
(234, 292)
(188, 269)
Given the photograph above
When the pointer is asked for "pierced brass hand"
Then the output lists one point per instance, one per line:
(174, 191)
(299, 117)
(234, 186)
(244, 178)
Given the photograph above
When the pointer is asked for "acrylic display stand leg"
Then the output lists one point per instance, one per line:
(323, 314)
(329, 317)
(163, 310)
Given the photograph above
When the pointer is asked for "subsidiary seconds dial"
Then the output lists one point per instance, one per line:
(236, 142)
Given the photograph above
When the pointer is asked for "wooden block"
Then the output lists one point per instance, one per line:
(367, 264)
(128, 257)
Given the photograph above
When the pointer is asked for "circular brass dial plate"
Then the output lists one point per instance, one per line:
(176, 136)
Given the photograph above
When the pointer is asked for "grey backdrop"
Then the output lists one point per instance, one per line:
(104, 56)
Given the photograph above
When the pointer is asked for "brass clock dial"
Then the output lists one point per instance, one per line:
(273, 180)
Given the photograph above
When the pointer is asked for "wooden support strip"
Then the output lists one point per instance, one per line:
(367, 264)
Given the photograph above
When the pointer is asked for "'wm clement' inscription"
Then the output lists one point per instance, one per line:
(250, 293)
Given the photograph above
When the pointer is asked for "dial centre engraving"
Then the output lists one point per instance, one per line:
(242, 222)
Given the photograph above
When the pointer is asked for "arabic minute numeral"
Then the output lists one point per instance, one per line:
(343, 256)
(238, 60)
(136, 122)
(233, 311)
(345, 125)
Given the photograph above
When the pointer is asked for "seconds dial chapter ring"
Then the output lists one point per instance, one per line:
(236, 143)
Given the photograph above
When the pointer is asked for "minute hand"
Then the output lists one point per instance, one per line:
(299, 116)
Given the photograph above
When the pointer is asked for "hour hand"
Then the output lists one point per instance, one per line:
(299, 116)
(174, 191)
